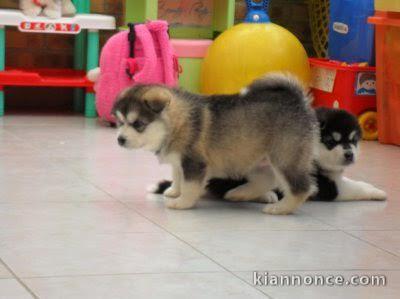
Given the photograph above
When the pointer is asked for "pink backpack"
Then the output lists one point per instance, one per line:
(143, 54)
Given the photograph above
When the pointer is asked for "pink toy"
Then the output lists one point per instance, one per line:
(142, 55)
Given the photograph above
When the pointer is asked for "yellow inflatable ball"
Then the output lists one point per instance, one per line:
(248, 51)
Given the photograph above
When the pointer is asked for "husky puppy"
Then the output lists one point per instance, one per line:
(340, 134)
(267, 131)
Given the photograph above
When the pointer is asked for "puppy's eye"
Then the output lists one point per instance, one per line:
(355, 139)
(138, 125)
(329, 141)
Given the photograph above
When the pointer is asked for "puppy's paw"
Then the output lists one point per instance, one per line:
(279, 208)
(233, 196)
(376, 194)
(369, 192)
(33, 11)
(172, 192)
(270, 197)
(179, 203)
(241, 193)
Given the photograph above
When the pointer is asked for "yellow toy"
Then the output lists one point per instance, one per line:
(250, 50)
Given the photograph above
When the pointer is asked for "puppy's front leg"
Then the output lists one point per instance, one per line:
(356, 190)
(192, 184)
(175, 189)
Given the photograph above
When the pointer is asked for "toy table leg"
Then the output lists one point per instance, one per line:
(79, 64)
(92, 62)
(1, 102)
(82, 6)
(2, 64)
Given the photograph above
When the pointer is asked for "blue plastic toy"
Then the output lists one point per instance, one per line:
(351, 38)
(257, 12)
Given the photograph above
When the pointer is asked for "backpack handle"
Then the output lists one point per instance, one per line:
(160, 29)
(131, 39)
(143, 35)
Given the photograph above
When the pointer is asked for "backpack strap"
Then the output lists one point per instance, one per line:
(169, 60)
(142, 35)
(131, 40)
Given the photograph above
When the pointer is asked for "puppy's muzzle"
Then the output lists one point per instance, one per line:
(121, 140)
(348, 157)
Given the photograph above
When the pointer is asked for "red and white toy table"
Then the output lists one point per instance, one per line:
(91, 23)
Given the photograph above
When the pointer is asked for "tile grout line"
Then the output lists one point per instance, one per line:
(199, 272)
(183, 241)
(119, 274)
(358, 238)
(372, 244)
(200, 252)
(334, 228)
(162, 228)
(18, 279)
(170, 233)
(21, 139)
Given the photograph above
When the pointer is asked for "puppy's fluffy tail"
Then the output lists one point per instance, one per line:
(282, 81)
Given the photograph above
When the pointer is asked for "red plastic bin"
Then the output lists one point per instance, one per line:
(387, 36)
(349, 87)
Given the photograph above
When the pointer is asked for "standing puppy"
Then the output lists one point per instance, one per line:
(225, 136)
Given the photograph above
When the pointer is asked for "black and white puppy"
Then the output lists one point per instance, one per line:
(340, 134)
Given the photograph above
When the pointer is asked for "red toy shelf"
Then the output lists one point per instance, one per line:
(45, 78)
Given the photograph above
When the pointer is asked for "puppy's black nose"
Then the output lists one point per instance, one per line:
(121, 140)
(349, 156)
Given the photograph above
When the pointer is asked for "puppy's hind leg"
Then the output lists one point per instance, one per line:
(298, 186)
(293, 168)
(192, 184)
(259, 182)
(355, 190)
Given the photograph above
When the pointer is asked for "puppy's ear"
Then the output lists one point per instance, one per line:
(157, 98)
(114, 109)
(121, 102)
(155, 105)
(321, 113)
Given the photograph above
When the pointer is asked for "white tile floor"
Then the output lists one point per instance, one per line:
(76, 222)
